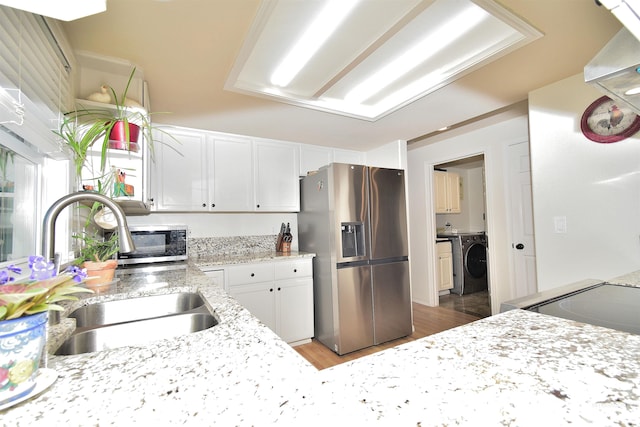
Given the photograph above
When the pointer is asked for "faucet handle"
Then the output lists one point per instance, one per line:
(56, 262)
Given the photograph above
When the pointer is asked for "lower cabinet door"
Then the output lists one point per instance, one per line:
(259, 300)
(294, 305)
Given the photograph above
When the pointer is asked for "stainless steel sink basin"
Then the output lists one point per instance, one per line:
(136, 321)
(136, 333)
(132, 309)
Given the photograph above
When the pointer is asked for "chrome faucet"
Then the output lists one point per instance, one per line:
(48, 231)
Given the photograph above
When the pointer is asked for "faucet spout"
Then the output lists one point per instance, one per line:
(48, 229)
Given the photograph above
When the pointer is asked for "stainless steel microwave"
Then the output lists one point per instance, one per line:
(156, 243)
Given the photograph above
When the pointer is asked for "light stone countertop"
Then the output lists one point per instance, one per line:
(517, 368)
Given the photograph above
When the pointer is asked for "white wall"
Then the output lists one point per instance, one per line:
(595, 186)
(392, 155)
(489, 137)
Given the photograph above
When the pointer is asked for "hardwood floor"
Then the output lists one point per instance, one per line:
(426, 321)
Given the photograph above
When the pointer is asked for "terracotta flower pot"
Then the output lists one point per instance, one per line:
(100, 273)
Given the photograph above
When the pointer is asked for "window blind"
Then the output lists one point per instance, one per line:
(36, 71)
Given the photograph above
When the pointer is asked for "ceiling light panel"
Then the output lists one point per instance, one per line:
(283, 22)
(380, 57)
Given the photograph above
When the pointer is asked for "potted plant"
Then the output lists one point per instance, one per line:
(110, 127)
(96, 129)
(97, 257)
(24, 307)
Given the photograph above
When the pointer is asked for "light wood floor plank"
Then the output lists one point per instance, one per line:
(426, 321)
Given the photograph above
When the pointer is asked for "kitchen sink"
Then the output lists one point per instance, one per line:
(136, 332)
(132, 309)
(135, 321)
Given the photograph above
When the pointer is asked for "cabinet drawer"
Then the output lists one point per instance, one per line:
(294, 269)
(250, 273)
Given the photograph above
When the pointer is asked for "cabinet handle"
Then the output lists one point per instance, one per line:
(295, 270)
(252, 274)
(213, 205)
(204, 205)
(271, 290)
(279, 288)
(257, 206)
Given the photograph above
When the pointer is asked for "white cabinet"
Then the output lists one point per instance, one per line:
(180, 181)
(280, 294)
(313, 157)
(211, 172)
(232, 174)
(447, 189)
(197, 171)
(444, 266)
(277, 186)
(348, 156)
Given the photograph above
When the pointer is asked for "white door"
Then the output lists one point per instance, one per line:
(523, 244)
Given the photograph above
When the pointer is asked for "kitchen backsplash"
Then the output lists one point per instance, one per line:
(235, 245)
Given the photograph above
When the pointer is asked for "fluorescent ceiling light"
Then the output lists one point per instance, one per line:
(373, 58)
(64, 10)
(334, 12)
(433, 43)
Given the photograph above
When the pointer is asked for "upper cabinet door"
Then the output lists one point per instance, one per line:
(232, 174)
(447, 192)
(180, 181)
(277, 185)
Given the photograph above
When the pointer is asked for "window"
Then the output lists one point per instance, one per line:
(35, 86)
(18, 199)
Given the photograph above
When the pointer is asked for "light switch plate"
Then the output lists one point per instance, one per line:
(560, 224)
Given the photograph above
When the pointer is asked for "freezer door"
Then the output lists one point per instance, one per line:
(350, 192)
(391, 301)
(388, 214)
(355, 309)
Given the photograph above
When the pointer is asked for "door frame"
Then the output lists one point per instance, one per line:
(432, 288)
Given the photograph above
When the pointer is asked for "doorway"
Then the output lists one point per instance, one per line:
(468, 223)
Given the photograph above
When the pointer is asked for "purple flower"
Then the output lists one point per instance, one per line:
(14, 269)
(79, 274)
(5, 278)
(41, 269)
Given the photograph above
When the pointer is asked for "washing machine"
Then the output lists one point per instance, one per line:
(469, 252)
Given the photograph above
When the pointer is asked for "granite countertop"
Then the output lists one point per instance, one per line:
(515, 368)
(205, 261)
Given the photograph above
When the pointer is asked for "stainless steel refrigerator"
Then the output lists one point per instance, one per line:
(354, 219)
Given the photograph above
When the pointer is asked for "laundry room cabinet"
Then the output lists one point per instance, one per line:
(444, 265)
(447, 191)
(280, 294)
